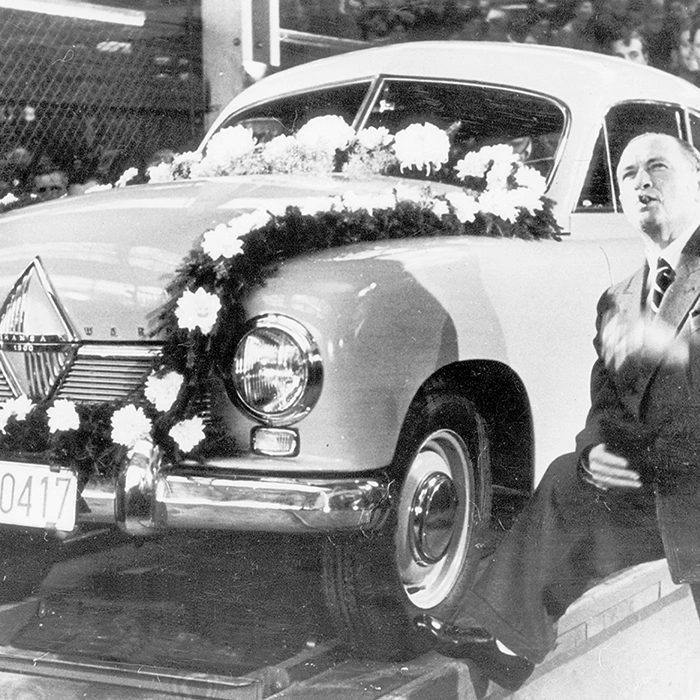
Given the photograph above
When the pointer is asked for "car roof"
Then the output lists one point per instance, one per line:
(580, 79)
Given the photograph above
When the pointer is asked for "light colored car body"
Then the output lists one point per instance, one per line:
(507, 323)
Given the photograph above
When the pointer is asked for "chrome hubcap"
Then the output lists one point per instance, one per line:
(434, 519)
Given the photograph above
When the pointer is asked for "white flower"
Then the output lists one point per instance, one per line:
(8, 199)
(163, 391)
(498, 203)
(198, 309)
(224, 148)
(422, 145)
(188, 433)
(127, 176)
(221, 242)
(279, 148)
(245, 223)
(160, 173)
(440, 207)
(129, 425)
(525, 198)
(498, 174)
(532, 179)
(20, 406)
(501, 153)
(466, 207)
(225, 240)
(327, 134)
(63, 416)
(374, 137)
(4, 417)
(187, 158)
(473, 164)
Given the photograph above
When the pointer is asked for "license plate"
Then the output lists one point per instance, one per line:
(32, 495)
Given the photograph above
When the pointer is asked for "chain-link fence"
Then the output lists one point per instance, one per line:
(89, 98)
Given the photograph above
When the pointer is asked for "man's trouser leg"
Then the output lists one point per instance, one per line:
(568, 537)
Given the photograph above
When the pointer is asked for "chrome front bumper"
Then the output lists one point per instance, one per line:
(149, 497)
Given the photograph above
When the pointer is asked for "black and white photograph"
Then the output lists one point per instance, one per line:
(349, 349)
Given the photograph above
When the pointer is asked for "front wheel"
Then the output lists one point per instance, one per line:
(426, 554)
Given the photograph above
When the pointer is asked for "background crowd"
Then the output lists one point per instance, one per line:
(657, 32)
(661, 33)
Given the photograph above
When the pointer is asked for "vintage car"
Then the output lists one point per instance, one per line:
(392, 399)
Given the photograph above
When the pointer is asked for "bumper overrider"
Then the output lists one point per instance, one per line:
(150, 496)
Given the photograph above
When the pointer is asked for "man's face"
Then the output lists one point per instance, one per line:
(659, 188)
(585, 10)
(634, 51)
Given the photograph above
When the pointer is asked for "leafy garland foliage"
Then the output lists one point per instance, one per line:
(203, 317)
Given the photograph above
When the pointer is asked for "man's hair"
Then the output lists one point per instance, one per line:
(690, 152)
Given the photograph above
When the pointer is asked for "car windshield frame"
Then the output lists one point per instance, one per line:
(374, 88)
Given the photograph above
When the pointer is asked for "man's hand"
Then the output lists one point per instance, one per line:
(606, 470)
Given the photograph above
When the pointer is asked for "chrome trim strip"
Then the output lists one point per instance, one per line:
(172, 500)
(117, 351)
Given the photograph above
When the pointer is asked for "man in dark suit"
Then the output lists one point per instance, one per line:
(631, 491)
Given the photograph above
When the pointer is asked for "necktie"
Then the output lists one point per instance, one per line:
(662, 280)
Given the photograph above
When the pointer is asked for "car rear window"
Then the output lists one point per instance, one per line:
(474, 116)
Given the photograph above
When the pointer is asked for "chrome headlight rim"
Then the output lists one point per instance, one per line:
(311, 354)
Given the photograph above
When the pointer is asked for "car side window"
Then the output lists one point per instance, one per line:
(287, 115)
(474, 116)
(622, 123)
(695, 128)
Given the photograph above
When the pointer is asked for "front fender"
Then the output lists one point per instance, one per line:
(388, 316)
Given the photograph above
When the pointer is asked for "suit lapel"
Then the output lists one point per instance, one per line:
(682, 294)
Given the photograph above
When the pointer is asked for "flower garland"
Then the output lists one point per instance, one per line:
(204, 313)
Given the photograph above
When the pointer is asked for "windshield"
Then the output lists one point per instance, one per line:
(286, 115)
(284, 134)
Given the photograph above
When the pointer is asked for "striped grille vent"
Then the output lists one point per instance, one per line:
(106, 374)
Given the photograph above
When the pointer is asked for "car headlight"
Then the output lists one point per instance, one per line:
(276, 374)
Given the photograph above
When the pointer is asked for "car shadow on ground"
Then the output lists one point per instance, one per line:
(211, 602)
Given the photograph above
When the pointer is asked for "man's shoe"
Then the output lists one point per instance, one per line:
(508, 671)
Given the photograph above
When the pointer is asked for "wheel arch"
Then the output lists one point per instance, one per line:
(500, 397)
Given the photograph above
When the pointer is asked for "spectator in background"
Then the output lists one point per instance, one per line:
(579, 32)
(50, 182)
(694, 40)
(659, 27)
(540, 32)
(476, 26)
(611, 22)
(630, 46)
(683, 63)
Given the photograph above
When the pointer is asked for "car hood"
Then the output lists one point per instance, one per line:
(102, 261)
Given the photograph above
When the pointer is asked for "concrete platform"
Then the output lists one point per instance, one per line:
(636, 636)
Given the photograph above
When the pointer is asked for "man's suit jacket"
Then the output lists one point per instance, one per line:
(645, 391)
